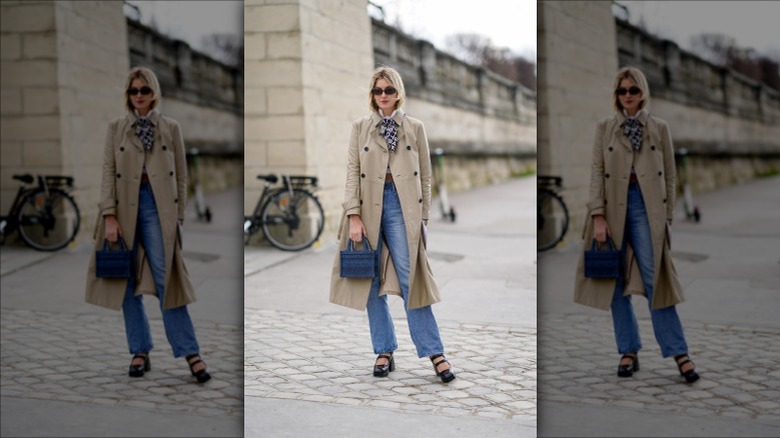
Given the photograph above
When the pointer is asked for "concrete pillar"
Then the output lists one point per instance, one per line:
(307, 67)
(577, 62)
(63, 70)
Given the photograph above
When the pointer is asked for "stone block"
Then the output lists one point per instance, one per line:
(255, 101)
(283, 45)
(271, 18)
(254, 46)
(42, 153)
(11, 155)
(39, 45)
(273, 73)
(10, 101)
(274, 128)
(29, 73)
(10, 46)
(286, 153)
(40, 101)
(285, 100)
(28, 18)
(30, 128)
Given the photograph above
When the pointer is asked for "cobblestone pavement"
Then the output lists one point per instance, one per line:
(738, 368)
(82, 358)
(327, 358)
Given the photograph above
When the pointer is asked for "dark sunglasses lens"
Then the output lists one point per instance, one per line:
(146, 91)
(621, 91)
(132, 91)
(378, 91)
(634, 91)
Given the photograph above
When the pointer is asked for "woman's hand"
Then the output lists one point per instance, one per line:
(356, 228)
(112, 228)
(601, 229)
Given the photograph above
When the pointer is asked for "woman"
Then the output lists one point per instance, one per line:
(387, 200)
(632, 190)
(142, 199)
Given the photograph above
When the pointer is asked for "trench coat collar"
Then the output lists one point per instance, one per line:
(131, 118)
(643, 116)
(376, 119)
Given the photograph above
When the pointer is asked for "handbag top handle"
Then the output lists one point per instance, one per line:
(610, 245)
(366, 245)
(121, 241)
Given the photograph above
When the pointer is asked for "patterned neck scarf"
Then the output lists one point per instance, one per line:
(632, 129)
(145, 132)
(389, 129)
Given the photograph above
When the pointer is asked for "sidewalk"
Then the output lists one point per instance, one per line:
(728, 266)
(308, 362)
(64, 362)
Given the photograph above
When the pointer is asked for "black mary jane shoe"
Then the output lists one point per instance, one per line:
(202, 375)
(446, 375)
(691, 375)
(384, 369)
(628, 369)
(140, 369)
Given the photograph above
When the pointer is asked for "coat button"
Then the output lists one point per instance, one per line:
(610, 148)
(165, 147)
(605, 202)
(652, 148)
(176, 201)
(659, 173)
(420, 200)
(664, 200)
(121, 148)
(415, 173)
(170, 173)
(362, 175)
(408, 148)
(365, 148)
(119, 175)
(606, 175)
(361, 202)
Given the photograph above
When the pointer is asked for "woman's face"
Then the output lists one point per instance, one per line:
(141, 102)
(384, 101)
(630, 102)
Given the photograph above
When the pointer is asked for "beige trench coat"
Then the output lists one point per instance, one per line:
(410, 164)
(610, 172)
(123, 161)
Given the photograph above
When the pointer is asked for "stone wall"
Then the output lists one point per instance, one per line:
(577, 60)
(475, 116)
(63, 64)
(307, 64)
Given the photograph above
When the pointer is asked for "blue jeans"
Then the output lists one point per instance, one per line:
(422, 323)
(666, 324)
(178, 326)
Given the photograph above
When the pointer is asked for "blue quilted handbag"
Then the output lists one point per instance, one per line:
(359, 264)
(115, 263)
(604, 263)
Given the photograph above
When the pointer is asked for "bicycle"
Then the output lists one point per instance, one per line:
(46, 216)
(290, 216)
(552, 220)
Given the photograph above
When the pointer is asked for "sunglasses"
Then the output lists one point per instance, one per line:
(632, 91)
(144, 90)
(388, 91)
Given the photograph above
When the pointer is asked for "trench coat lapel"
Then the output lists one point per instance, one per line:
(154, 117)
(376, 137)
(621, 137)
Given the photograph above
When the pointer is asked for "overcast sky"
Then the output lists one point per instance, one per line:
(754, 24)
(508, 23)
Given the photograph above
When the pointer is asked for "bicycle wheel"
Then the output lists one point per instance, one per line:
(552, 219)
(48, 223)
(292, 223)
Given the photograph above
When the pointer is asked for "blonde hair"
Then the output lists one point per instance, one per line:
(147, 76)
(390, 75)
(639, 79)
